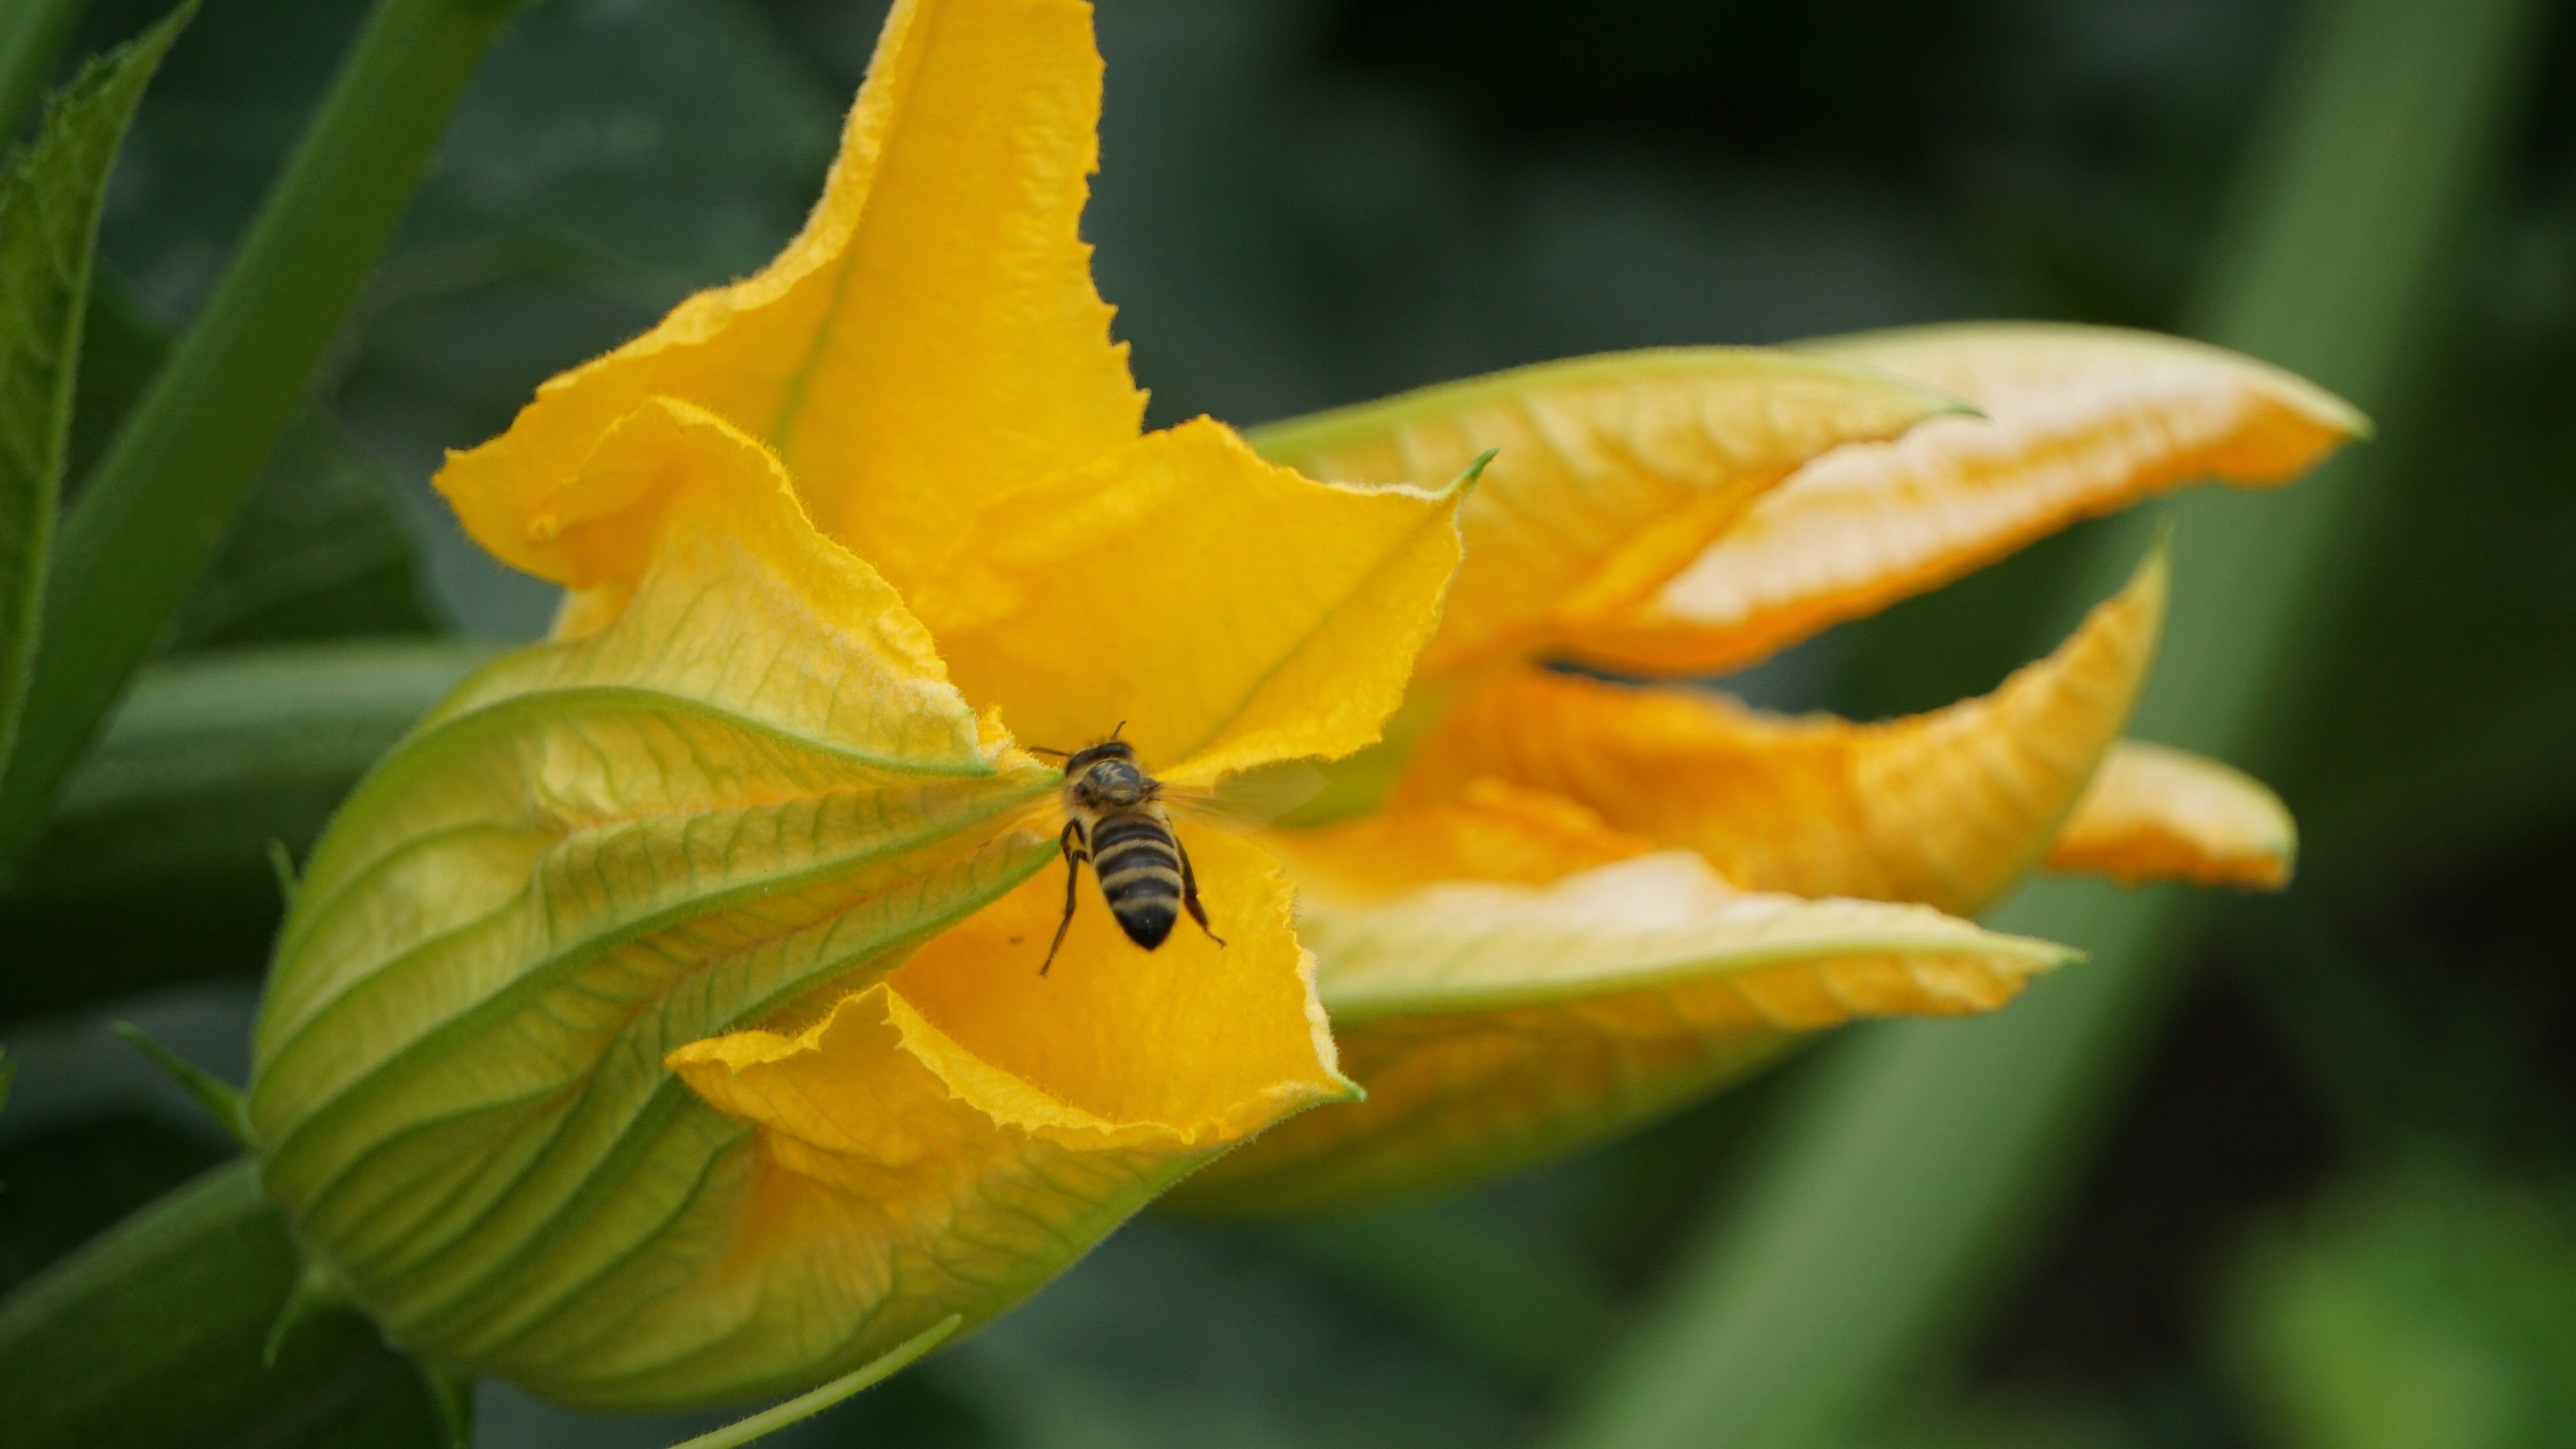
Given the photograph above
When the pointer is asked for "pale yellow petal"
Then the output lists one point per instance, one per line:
(1229, 611)
(1947, 808)
(1611, 474)
(1496, 1025)
(752, 785)
(2157, 813)
(931, 338)
(2081, 421)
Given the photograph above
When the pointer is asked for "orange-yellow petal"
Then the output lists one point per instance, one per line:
(931, 338)
(896, 1178)
(947, 1138)
(2081, 421)
(1611, 473)
(1208, 1042)
(1228, 610)
(1495, 1025)
(2158, 813)
(1946, 808)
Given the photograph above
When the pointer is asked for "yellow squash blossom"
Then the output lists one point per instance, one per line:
(661, 1022)
(1582, 902)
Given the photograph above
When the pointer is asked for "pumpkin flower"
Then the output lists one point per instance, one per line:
(662, 1023)
(1577, 902)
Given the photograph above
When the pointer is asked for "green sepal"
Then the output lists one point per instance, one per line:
(220, 1098)
(315, 1292)
(281, 864)
(453, 1393)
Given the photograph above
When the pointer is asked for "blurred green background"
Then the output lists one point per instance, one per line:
(2327, 1199)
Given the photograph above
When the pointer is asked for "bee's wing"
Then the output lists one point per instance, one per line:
(1255, 797)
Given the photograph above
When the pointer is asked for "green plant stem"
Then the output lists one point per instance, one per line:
(151, 1336)
(32, 33)
(158, 503)
(1900, 1182)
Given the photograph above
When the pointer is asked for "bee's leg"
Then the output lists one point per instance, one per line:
(1190, 890)
(1076, 851)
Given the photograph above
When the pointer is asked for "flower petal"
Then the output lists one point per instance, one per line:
(1613, 472)
(894, 1178)
(1230, 611)
(750, 785)
(2158, 813)
(931, 338)
(2081, 421)
(1208, 1043)
(1946, 808)
(1493, 1025)
(945, 1140)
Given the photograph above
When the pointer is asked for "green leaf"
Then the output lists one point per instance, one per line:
(155, 867)
(151, 1336)
(150, 517)
(51, 193)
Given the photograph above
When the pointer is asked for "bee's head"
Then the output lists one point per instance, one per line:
(1106, 775)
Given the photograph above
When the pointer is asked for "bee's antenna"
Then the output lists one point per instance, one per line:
(1043, 750)
(1122, 724)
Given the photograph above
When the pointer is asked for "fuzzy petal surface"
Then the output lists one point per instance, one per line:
(931, 339)
(2157, 813)
(2080, 421)
(1946, 808)
(1611, 473)
(1493, 1025)
(1231, 612)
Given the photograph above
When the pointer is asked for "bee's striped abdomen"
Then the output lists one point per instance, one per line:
(1112, 821)
(1139, 866)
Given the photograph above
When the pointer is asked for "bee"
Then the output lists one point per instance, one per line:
(1115, 819)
